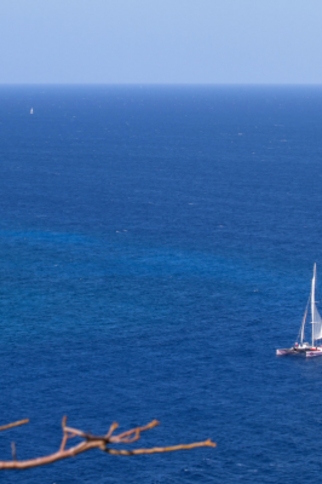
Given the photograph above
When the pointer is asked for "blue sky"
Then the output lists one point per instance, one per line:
(154, 41)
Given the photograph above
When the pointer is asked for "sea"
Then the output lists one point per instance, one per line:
(156, 247)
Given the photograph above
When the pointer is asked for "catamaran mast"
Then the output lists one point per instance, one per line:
(313, 302)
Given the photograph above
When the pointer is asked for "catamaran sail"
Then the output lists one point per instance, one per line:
(316, 322)
(316, 318)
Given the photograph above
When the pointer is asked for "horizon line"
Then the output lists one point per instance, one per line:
(163, 84)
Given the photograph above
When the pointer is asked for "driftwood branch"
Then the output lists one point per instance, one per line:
(90, 441)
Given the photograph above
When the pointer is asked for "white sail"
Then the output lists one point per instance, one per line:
(317, 324)
(316, 318)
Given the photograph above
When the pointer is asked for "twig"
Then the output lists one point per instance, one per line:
(158, 450)
(13, 451)
(14, 424)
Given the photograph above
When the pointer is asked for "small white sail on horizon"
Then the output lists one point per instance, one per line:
(32, 111)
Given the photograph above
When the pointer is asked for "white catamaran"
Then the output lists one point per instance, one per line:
(302, 347)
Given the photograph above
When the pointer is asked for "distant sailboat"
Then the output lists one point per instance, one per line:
(308, 349)
(32, 111)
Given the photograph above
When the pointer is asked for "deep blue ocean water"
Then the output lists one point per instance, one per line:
(156, 247)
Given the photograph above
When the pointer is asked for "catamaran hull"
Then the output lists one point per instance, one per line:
(313, 353)
(308, 352)
(285, 352)
(290, 351)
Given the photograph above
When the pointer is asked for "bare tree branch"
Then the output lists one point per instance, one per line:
(14, 424)
(94, 441)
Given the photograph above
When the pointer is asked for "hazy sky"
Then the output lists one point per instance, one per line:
(160, 41)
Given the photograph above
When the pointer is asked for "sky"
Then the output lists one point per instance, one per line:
(160, 41)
